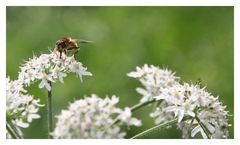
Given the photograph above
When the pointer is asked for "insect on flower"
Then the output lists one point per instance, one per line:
(69, 46)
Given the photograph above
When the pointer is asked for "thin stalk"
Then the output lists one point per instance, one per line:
(206, 131)
(140, 105)
(11, 132)
(134, 108)
(156, 128)
(14, 129)
(50, 120)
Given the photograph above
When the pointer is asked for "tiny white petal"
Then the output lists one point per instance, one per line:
(22, 124)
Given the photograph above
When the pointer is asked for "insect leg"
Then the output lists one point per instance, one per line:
(60, 54)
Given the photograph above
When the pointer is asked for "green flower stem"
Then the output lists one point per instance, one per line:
(135, 107)
(13, 130)
(140, 105)
(206, 131)
(157, 128)
(50, 120)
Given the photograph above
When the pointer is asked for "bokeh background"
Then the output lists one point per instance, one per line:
(195, 42)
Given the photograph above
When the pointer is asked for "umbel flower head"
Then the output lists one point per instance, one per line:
(153, 80)
(93, 117)
(50, 68)
(206, 114)
(21, 108)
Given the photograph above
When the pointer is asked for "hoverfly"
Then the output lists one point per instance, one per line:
(69, 46)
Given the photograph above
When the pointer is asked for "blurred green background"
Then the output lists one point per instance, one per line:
(195, 42)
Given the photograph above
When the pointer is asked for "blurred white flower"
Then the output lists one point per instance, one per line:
(92, 117)
(21, 108)
(182, 100)
(126, 117)
(77, 68)
(50, 68)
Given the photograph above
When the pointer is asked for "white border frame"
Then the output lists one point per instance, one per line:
(235, 3)
(120, 2)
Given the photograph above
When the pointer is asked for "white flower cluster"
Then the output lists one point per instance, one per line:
(154, 80)
(49, 68)
(207, 115)
(21, 108)
(93, 117)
